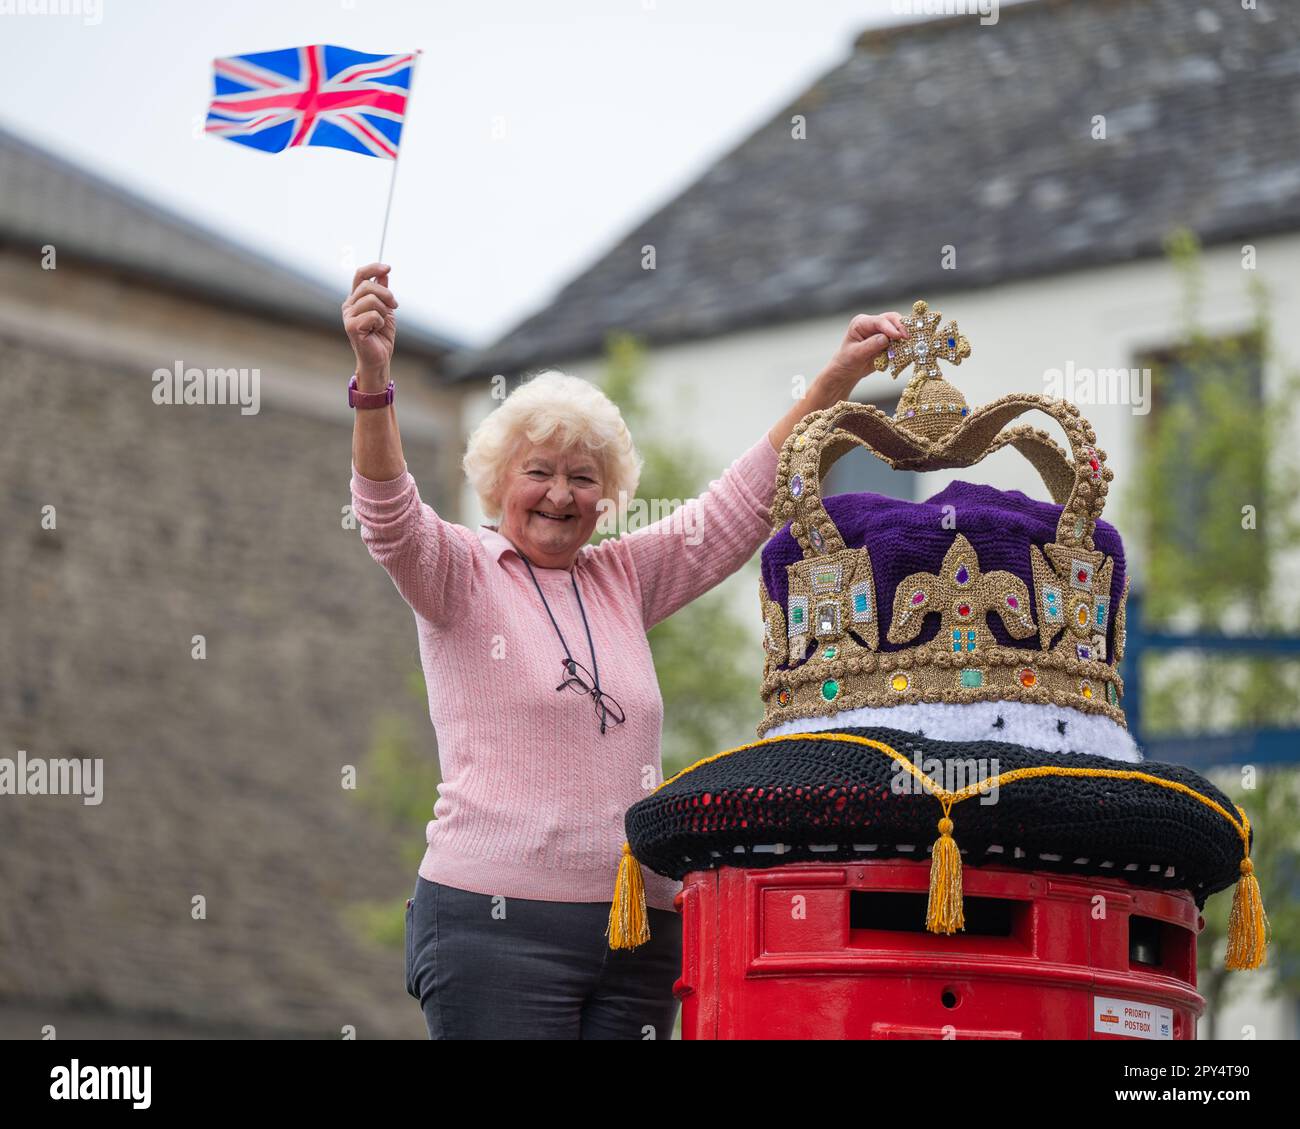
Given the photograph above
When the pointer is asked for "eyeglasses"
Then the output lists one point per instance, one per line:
(578, 678)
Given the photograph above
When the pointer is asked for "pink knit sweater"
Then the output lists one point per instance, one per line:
(533, 796)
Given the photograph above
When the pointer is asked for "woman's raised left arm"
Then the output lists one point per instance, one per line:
(866, 337)
(681, 556)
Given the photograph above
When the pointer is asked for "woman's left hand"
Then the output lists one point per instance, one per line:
(868, 335)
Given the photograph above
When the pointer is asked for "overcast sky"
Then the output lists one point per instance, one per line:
(609, 108)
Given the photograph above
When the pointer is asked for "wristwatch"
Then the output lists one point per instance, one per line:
(359, 399)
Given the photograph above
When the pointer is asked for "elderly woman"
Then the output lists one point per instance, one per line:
(541, 686)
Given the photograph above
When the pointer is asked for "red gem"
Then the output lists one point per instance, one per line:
(1083, 576)
(963, 610)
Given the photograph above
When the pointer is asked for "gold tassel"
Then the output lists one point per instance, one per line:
(944, 914)
(628, 924)
(1247, 924)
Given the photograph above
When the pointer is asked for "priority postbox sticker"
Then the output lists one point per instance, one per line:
(1128, 1017)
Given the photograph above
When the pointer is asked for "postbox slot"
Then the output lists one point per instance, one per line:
(903, 912)
(1162, 946)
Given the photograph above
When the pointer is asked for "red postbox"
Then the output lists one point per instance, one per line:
(840, 951)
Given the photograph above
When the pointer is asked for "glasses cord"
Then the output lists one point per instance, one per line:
(595, 670)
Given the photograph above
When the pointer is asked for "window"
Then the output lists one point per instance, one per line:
(1190, 383)
(860, 471)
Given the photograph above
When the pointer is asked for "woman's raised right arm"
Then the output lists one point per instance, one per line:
(372, 328)
(430, 560)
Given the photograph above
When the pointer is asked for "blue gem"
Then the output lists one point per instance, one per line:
(952, 342)
(860, 602)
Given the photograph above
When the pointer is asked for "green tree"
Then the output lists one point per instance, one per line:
(397, 782)
(707, 660)
(1270, 805)
(1213, 500)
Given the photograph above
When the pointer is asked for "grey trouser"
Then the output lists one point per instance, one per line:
(486, 967)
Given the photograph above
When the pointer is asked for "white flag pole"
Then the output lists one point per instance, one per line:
(410, 90)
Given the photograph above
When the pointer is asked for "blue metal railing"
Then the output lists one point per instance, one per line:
(1253, 746)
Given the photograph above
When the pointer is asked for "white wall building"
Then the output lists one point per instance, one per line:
(1022, 179)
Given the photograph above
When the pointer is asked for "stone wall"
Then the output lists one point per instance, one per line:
(221, 776)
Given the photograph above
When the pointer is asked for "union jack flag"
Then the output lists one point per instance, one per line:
(319, 95)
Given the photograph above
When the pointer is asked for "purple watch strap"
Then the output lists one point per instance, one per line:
(359, 399)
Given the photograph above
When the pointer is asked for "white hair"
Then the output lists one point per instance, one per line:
(551, 407)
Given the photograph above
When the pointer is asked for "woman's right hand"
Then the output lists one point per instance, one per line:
(371, 325)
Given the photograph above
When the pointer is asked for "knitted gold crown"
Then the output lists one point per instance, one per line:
(831, 593)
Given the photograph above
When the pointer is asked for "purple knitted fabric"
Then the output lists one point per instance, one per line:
(907, 537)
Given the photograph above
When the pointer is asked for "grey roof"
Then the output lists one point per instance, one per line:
(949, 132)
(47, 199)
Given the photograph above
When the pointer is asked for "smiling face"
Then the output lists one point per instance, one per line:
(549, 504)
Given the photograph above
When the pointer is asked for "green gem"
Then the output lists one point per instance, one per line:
(830, 652)
(1112, 694)
(972, 678)
(830, 689)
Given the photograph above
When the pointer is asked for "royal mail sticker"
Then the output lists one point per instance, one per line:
(1132, 1019)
